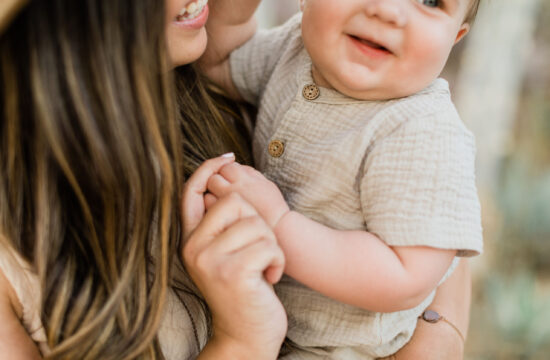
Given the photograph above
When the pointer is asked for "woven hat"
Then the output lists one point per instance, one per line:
(8, 10)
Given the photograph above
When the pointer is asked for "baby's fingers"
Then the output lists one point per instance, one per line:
(209, 200)
(218, 185)
(234, 172)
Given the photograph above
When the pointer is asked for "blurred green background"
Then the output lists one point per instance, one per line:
(500, 80)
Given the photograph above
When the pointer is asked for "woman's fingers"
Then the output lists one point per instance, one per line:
(248, 235)
(228, 229)
(193, 203)
(274, 272)
(262, 257)
(242, 233)
(221, 215)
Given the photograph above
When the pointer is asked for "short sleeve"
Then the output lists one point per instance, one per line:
(253, 63)
(418, 185)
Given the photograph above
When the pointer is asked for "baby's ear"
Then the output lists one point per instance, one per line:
(464, 29)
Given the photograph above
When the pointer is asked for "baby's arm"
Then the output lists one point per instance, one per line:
(354, 267)
(230, 24)
(357, 268)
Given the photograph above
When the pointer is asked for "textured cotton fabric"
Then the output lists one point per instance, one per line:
(176, 333)
(402, 169)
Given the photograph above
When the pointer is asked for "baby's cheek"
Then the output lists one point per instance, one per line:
(428, 59)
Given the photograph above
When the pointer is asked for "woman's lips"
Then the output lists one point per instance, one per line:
(195, 23)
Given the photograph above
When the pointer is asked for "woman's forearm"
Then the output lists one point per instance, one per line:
(453, 297)
(230, 12)
(434, 341)
(229, 26)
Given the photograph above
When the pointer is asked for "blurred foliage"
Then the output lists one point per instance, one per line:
(524, 199)
(523, 195)
(519, 314)
(510, 319)
(510, 316)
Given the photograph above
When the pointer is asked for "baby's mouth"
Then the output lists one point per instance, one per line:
(371, 44)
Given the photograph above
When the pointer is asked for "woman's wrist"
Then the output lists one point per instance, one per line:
(431, 316)
(434, 341)
(226, 347)
(453, 348)
(444, 343)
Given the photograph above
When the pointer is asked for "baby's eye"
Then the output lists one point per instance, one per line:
(430, 3)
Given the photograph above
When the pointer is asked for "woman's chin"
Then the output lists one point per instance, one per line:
(186, 49)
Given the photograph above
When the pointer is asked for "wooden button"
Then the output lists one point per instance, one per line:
(276, 148)
(311, 92)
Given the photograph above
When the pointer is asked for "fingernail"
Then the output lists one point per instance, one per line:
(228, 155)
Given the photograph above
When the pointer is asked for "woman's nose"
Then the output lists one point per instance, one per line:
(390, 11)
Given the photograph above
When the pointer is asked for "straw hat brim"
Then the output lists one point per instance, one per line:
(8, 10)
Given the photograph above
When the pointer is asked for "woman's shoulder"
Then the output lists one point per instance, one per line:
(14, 338)
(20, 286)
(18, 273)
(8, 296)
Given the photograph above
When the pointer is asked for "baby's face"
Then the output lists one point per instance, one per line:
(380, 49)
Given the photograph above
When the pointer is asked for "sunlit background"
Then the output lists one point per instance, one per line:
(500, 80)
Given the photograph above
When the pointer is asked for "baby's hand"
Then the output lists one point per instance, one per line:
(263, 194)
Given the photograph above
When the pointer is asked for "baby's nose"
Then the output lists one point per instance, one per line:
(390, 11)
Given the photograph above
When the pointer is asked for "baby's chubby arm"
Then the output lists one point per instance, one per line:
(230, 24)
(354, 267)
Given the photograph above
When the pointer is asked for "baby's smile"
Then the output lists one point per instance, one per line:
(369, 47)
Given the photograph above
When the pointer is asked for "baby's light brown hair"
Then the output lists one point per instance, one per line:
(472, 12)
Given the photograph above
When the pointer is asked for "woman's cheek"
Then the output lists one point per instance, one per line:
(185, 47)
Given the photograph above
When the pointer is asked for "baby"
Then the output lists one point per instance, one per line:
(377, 170)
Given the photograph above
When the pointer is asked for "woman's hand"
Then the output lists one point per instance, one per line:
(233, 258)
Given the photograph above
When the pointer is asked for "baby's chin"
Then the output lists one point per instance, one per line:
(383, 91)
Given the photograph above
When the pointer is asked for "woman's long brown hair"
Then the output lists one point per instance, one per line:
(93, 153)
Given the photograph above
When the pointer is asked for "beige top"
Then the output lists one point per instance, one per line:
(176, 334)
(402, 169)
